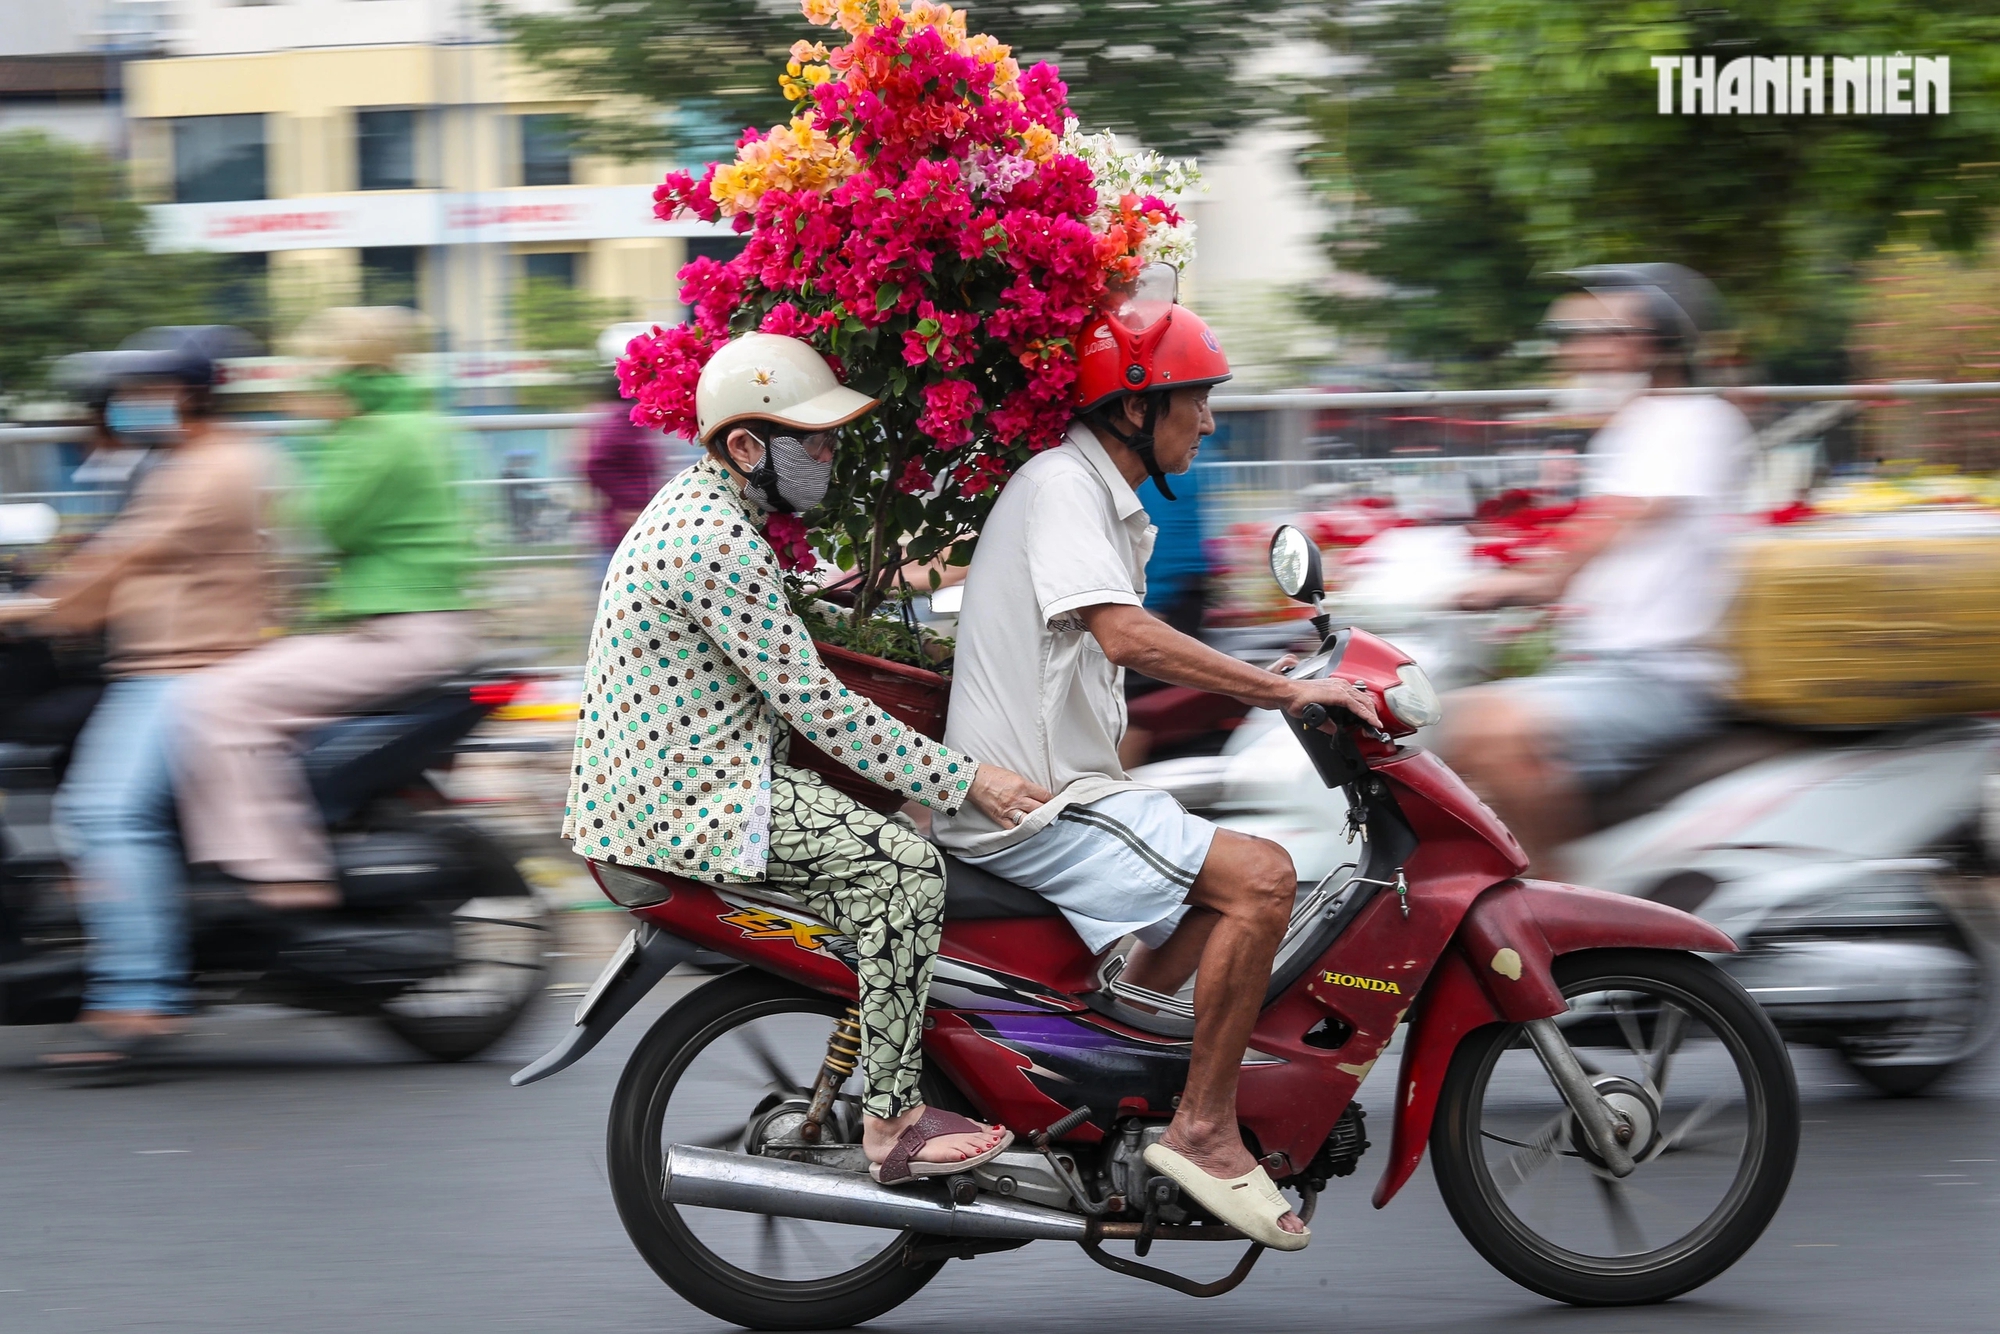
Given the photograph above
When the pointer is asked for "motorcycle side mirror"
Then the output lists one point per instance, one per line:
(1295, 565)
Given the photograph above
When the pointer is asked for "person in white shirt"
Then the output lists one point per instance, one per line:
(1052, 618)
(1642, 567)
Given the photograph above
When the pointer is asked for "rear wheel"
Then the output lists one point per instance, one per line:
(1692, 1061)
(725, 1068)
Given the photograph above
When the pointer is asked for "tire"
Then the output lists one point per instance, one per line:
(660, 1231)
(500, 940)
(1475, 1104)
(1906, 1059)
(1898, 1081)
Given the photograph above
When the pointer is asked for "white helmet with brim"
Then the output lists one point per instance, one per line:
(767, 377)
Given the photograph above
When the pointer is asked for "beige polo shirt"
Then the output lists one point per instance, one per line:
(1030, 688)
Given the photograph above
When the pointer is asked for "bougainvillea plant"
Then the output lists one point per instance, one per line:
(933, 222)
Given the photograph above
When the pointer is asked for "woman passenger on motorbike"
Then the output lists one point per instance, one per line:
(177, 582)
(698, 665)
(380, 493)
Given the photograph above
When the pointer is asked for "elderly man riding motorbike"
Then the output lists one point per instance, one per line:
(1641, 567)
(698, 664)
(1053, 617)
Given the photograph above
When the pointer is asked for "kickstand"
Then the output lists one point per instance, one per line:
(1132, 1268)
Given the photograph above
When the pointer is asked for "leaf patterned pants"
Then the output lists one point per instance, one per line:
(881, 884)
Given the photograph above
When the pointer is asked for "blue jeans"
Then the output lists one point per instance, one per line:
(115, 813)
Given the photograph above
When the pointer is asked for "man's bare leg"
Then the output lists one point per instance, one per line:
(1247, 885)
(1502, 749)
(1166, 968)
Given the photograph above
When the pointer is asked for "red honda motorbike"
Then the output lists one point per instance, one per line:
(1611, 1119)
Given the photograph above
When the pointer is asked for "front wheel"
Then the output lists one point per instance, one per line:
(1703, 1078)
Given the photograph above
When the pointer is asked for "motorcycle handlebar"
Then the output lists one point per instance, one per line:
(1316, 716)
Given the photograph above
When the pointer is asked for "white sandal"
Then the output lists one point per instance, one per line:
(1250, 1203)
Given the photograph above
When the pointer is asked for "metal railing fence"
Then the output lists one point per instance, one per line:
(1275, 452)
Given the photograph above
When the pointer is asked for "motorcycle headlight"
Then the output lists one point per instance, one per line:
(629, 890)
(1412, 699)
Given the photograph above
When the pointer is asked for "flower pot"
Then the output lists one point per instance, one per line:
(910, 695)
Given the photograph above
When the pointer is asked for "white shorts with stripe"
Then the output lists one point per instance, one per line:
(1120, 866)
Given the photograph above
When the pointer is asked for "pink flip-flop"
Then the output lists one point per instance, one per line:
(899, 1169)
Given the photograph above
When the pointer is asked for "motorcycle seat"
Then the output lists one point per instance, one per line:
(972, 895)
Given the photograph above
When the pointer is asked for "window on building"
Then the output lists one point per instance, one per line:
(389, 276)
(547, 147)
(721, 249)
(243, 290)
(554, 267)
(218, 158)
(386, 149)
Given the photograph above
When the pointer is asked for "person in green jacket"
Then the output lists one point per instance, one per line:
(379, 493)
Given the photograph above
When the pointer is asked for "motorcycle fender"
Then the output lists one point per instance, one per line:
(1453, 1004)
(654, 955)
(1500, 971)
(1514, 931)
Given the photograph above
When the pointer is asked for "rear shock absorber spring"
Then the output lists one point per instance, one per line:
(843, 1054)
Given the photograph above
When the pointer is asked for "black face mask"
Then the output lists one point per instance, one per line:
(788, 480)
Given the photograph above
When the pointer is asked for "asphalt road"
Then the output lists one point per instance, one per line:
(292, 1175)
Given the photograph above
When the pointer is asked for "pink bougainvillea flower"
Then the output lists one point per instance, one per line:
(919, 222)
(787, 536)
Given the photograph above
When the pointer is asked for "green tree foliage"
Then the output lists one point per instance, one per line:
(1480, 143)
(553, 316)
(1170, 71)
(74, 270)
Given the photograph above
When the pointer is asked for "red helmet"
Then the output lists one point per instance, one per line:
(1147, 341)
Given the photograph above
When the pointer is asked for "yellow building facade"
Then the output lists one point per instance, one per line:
(433, 174)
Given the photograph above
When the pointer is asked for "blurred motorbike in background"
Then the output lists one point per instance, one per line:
(1846, 865)
(438, 935)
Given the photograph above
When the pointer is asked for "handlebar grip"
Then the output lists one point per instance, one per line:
(1314, 716)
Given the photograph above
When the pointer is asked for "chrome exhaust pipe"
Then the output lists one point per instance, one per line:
(713, 1179)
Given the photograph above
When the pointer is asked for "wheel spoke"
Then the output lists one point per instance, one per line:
(767, 1244)
(1538, 1152)
(810, 1240)
(760, 1047)
(1669, 1031)
(1625, 1229)
(1628, 1024)
(731, 1138)
(1689, 1144)
(1692, 1122)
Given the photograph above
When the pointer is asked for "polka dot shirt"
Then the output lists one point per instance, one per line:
(696, 665)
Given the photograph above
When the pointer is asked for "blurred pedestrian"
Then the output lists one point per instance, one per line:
(178, 583)
(623, 465)
(1641, 566)
(1176, 586)
(380, 493)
